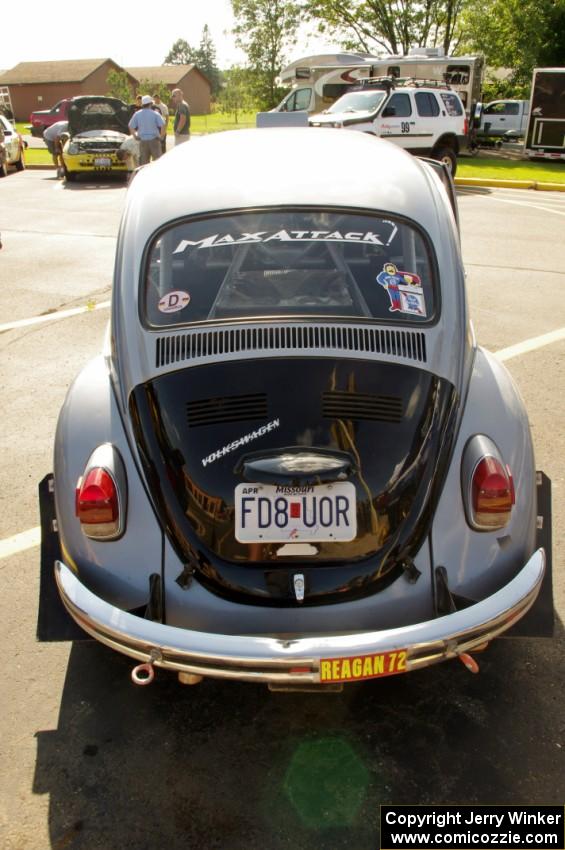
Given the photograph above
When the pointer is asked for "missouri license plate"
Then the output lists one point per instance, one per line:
(271, 513)
(103, 162)
(356, 667)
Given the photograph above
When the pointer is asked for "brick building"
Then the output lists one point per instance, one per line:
(194, 84)
(39, 85)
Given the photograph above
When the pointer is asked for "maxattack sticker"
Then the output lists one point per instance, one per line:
(358, 667)
(174, 301)
(263, 236)
(404, 290)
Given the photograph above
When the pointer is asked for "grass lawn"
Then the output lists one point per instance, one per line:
(511, 169)
(199, 124)
(217, 121)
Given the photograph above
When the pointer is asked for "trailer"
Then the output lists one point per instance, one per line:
(318, 81)
(545, 137)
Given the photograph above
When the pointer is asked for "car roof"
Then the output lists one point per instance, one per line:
(281, 167)
(274, 168)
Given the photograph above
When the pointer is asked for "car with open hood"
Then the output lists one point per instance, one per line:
(292, 462)
(97, 127)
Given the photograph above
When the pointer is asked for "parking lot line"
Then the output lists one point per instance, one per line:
(534, 206)
(530, 344)
(20, 542)
(49, 317)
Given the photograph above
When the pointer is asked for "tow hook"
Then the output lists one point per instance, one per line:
(469, 662)
(143, 674)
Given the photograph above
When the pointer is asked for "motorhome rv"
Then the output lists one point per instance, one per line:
(318, 81)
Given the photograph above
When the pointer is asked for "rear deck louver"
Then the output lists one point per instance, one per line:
(199, 345)
(235, 408)
(377, 408)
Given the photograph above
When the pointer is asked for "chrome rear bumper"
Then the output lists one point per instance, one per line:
(297, 660)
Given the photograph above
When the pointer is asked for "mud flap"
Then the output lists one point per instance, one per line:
(53, 622)
(539, 621)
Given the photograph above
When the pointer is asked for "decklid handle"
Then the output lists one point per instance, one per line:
(296, 463)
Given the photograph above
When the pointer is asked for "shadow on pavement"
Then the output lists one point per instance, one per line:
(228, 765)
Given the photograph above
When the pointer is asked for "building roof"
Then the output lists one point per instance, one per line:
(65, 71)
(168, 74)
(171, 75)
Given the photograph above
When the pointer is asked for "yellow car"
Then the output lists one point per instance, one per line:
(97, 127)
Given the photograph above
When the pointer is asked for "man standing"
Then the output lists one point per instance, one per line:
(182, 117)
(164, 110)
(148, 126)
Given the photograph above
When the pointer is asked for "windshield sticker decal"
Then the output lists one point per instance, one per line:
(174, 301)
(404, 290)
(242, 441)
(263, 236)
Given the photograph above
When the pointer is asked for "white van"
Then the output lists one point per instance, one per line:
(426, 119)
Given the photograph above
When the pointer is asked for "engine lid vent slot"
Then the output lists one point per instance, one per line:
(235, 408)
(347, 405)
(217, 344)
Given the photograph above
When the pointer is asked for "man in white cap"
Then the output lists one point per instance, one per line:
(149, 127)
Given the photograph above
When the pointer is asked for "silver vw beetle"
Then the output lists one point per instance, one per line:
(292, 463)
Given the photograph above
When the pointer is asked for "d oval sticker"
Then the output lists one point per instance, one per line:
(174, 301)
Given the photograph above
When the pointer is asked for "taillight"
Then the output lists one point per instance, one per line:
(100, 495)
(466, 126)
(492, 494)
(488, 489)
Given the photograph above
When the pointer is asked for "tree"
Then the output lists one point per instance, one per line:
(181, 53)
(263, 30)
(205, 60)
(154, 87)
(392, 25)
(236, 94)
(118, 83)
(517, 34)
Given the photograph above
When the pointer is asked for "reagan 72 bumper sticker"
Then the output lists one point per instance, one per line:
(357, 667)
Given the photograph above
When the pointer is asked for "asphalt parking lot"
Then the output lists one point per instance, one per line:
(92, 762)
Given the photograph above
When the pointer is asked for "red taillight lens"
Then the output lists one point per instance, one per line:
(97, 503)
(492, 493)
(466, 126)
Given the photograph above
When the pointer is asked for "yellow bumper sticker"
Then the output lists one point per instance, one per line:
(356, 667)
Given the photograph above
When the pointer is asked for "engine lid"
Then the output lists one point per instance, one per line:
(212, 435)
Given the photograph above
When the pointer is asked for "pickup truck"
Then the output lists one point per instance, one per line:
(43, 118)
(504, 118)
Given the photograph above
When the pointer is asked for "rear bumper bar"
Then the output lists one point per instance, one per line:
(297, 660)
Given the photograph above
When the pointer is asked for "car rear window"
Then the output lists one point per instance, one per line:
(452, 103)
(288, 264)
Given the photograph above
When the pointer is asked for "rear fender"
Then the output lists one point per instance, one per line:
(117, 570)
(480, 563)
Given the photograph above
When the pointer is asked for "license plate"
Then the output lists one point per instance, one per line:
(103, 162)
(356, 667)
(271, 513)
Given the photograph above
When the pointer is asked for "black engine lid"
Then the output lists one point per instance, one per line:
(197, 428)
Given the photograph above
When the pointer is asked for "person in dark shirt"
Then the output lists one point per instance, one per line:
(182, 117)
